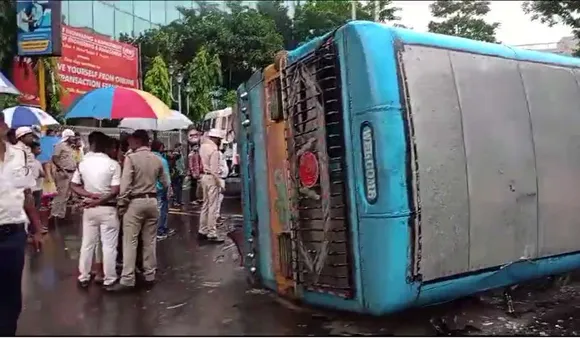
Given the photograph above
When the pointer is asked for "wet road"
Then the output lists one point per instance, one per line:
(202, 291)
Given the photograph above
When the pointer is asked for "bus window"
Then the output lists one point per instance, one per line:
(275, 98)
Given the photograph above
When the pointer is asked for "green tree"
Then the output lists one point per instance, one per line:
(203, 76)
(164, 42)
(243, 38)
(463, 18)
(7, 101)
(229, 98)
(54, 89)
(157, 80)
(318, 17)
(556, 12)
(8, 31)
(278, 12)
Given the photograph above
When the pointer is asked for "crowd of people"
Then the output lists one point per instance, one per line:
(124, 187)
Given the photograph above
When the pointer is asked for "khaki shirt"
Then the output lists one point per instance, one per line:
(210, 158)
(63, 157)
(141, 170)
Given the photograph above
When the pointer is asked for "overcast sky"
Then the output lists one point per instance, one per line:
(516, 27)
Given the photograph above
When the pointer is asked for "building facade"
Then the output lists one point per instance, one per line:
(114, 17)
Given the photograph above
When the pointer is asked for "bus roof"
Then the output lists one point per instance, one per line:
(372, 31)
(218, 113)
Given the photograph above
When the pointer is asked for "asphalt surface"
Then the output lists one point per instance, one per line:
(201, 290)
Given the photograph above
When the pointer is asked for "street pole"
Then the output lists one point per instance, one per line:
(140, 66)
(179, 107)
(353, 10)
(377, 10)
(179, 98)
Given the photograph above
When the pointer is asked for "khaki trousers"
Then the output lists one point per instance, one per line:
(209, 209)
(59, 203)
(140, 220)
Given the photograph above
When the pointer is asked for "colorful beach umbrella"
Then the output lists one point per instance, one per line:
(6, 87)
(118, 103)
(26, 116)
(175, 121)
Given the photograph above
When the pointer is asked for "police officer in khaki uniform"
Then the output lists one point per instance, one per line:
(63, 160)
(211, 184)
(138, 205)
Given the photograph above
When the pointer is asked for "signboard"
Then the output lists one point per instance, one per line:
(88, 61)
(39, 23)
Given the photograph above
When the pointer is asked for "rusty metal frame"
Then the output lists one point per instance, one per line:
(302, 87)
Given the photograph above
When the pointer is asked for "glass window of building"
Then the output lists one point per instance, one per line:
(158, 12)
(142, 9)
(64, 11)
(80, 15)
(125, 5)
(105, 14)
(172, 12)
(123, 23)
(141, 26)
(251, 4)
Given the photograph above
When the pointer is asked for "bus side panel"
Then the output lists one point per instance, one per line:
(258, 178)
(277, 186)
(371, 84)
(244, 149)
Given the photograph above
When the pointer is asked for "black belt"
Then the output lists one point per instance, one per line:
(145, 195)
(109, 204)
(10, 229)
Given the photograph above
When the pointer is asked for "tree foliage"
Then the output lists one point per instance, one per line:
(8, 31)
(463, 18)
(317, 17)
(157, 80)
(216, 49)
(556, 12)
(204, 76)
(278, 12)
(53, 88)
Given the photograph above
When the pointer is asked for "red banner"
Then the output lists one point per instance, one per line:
(88, 61)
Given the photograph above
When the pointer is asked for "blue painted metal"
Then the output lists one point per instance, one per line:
(255, 88)
(247, 181)
(381, 232)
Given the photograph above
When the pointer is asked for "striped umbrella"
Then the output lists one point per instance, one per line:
(26, 116)
(118, 103)
(6, 87)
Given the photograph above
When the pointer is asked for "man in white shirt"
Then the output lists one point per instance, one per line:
(25, 137)
(98, 179)
(16, 209)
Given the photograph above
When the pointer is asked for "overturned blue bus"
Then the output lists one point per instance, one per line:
(384, 168)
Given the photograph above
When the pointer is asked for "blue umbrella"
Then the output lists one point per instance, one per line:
(25, 116)
(6, 87)
(47, 144)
